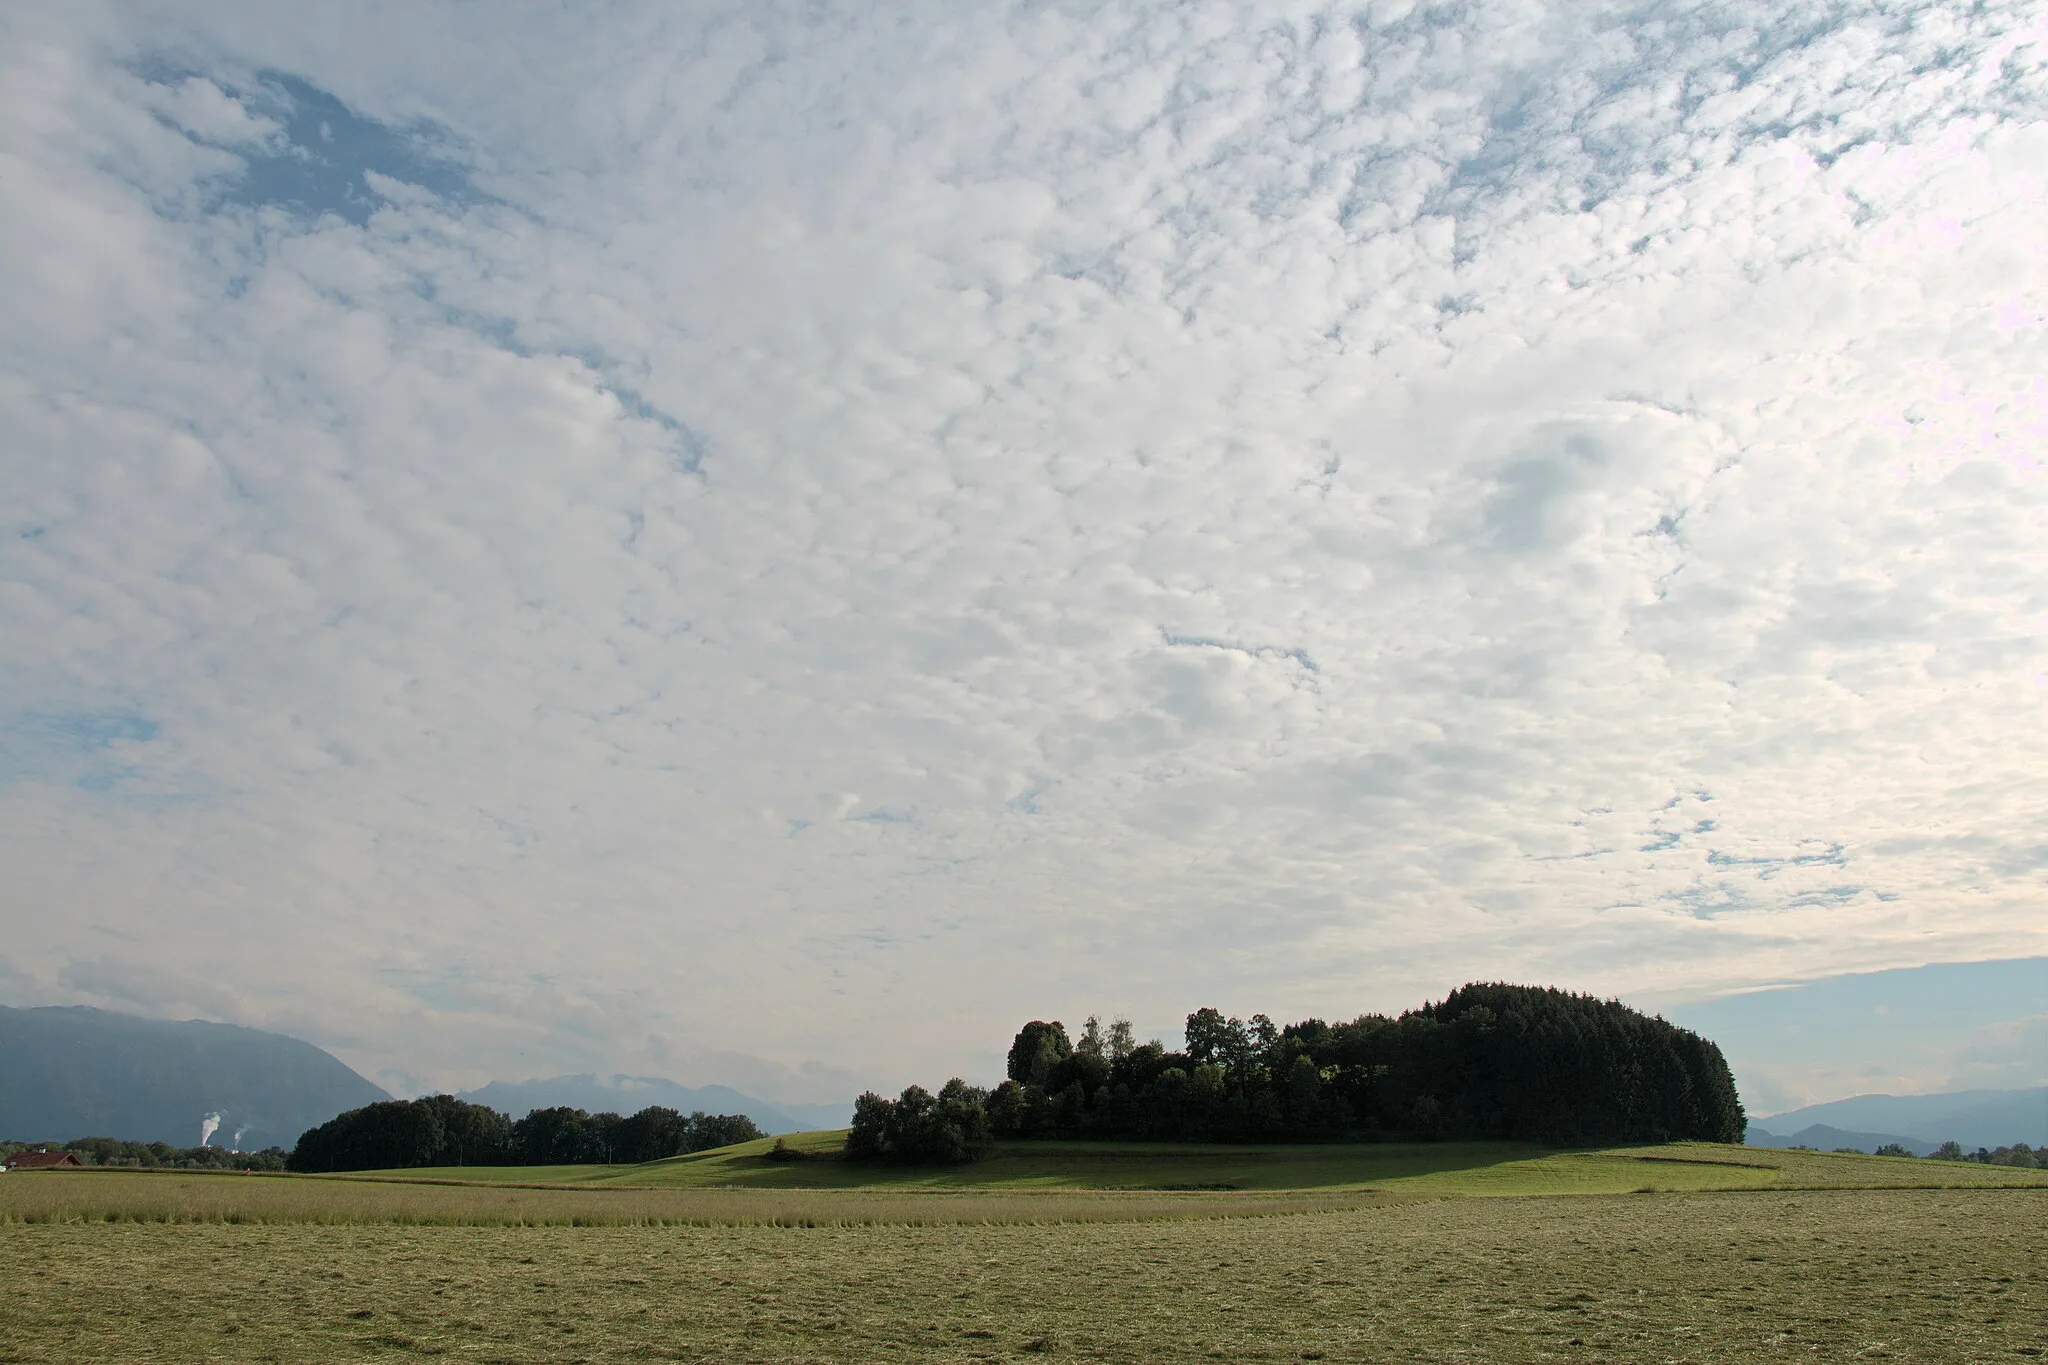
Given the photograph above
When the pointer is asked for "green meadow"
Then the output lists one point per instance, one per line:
(1105, 1252)
(1416, 1169)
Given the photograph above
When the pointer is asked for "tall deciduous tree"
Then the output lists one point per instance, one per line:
(1038, 1047)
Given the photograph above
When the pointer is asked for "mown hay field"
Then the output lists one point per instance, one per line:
(1793, 1256)
(108, 1197)
(1910, 1275)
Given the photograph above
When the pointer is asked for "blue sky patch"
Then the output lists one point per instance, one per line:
(77, 748)
(1877, 1027)
(329, 151)
(91, 731)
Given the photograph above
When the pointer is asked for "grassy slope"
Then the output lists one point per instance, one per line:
(1421, 1168)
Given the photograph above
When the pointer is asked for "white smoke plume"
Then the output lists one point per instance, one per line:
(235, 1142)
(207, 1126)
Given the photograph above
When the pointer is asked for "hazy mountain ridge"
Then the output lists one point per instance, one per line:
(1974, 1118)
(1823, 1138)
(627, 1094)
(71, 1071)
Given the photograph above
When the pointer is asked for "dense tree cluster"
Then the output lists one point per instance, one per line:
(920, 1127)
(441, 1130)
(106, 1151)
(1489, 1061)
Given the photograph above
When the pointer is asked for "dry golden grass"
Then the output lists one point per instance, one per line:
(1741, 1254)
(148, 1197)
(1906, 1275)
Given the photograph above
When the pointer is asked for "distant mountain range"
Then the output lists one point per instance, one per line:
(70, 1072)
(1974, 1118)
(1822, 1138)
(629, 1094)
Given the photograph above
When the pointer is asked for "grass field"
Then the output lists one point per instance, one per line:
(1473, 1168)
(1746, 1255)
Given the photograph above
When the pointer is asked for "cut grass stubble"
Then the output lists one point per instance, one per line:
(91, 1198)
(1406, 1254)
(1916, 1275)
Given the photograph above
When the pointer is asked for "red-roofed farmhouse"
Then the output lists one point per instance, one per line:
(37, 1161)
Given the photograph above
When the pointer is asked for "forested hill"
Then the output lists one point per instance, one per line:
(1489, 1061)
(72, 1072)
(441, 1130)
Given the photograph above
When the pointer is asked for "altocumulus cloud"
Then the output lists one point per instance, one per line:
(785, 539)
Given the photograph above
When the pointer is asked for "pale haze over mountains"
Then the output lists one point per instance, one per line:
(629, 1094)
(1947, 1027)
(1974, 1118)
(771, 544)
(71, 1072)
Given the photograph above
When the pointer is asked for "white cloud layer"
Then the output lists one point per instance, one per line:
(788, 540)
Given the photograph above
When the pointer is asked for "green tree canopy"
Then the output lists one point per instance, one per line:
(1037, 1049)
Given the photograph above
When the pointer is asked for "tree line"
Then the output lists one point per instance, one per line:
(106, 1151)
(2019, 1154)
(1489, 1061)
(441, 1130)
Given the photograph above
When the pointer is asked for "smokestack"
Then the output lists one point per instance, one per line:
(207, 1126)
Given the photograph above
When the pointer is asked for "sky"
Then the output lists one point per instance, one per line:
(770, 544)
(1909, 1031)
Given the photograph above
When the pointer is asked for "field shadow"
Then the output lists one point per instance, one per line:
(1065, 1165)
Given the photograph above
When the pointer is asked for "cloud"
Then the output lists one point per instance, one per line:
(208, 114)
(827, 538)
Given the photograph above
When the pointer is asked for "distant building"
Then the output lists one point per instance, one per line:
(38, 1161)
